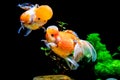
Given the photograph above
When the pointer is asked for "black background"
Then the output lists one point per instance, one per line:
(82, 17)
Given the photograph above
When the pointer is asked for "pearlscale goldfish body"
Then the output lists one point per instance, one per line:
(66, 43)
(34, 17)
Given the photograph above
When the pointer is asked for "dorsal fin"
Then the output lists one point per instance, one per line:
(71, 32)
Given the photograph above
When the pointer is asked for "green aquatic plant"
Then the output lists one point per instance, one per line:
(116, 55)
(62, 24)
(105, 64)
(102, 52)
(118, 48)
(46, 49)
(108, 68)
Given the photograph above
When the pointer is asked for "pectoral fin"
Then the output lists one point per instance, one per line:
(21, 27)
(28, 32)
(49, 45)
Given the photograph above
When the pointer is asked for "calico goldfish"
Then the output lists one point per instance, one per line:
(34, 17)
(69, 46)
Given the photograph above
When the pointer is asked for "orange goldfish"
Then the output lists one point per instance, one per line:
(34, 17)
(69, 46)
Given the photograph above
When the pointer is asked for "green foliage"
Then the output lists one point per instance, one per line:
(103, 56)
(62, 24)
(116, 66)
(108, 68)
(117, 53)
(118, 48)
(46, 49)
(106, 65)
(95, 40)
(102, 53)
(104, 68)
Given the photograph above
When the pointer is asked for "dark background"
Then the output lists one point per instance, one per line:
(82, 17)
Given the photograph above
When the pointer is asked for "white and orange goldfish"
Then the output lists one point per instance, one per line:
(34, 17)
(69, 46)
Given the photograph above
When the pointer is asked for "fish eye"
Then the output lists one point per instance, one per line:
(52, 35)
(38, 18)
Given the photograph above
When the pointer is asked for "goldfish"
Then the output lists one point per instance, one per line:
(67, 45)
(34, 17)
